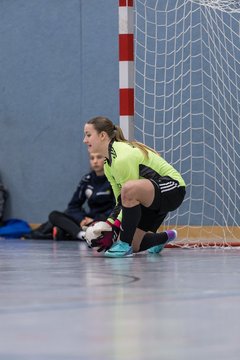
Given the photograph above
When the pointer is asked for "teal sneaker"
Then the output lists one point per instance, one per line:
(119, 249)
(172, 234)
(156, 249)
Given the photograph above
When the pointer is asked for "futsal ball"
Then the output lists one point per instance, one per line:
(95, 230)
(90, 234)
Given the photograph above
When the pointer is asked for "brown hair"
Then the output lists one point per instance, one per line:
(114, 132)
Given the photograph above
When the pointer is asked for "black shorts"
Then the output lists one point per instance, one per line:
(168, 197)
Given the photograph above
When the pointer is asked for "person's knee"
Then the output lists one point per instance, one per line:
(128, 193)
(53, 215)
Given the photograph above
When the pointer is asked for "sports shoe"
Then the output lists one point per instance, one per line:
(42, 232)
(119, 249)
(172, 234)
(58, 234)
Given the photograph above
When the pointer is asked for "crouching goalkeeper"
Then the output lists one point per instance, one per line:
(147, 188)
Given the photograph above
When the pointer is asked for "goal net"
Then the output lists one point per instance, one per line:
(187, 107)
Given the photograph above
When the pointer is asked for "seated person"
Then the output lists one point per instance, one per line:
(93, 200)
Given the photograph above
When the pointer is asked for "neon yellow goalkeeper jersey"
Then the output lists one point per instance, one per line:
(129, 163)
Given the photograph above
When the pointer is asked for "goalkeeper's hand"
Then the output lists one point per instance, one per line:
(103, 234)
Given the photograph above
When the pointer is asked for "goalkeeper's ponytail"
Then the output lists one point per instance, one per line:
(114, 132)
(119, 136)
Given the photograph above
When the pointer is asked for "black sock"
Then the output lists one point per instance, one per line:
(130, 219)
(151, 239)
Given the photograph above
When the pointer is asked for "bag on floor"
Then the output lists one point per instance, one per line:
(14, 228)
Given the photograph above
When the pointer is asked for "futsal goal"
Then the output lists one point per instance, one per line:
(184, 101)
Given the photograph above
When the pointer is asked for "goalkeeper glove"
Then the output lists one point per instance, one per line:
(102, 234)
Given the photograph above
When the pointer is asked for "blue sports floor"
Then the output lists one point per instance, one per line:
(61, 301)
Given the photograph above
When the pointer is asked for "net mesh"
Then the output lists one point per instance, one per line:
(187, 106)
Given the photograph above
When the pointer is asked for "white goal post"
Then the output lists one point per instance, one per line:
(186, 84)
